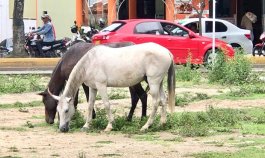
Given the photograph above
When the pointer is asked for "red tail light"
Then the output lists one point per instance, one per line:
(248, 36)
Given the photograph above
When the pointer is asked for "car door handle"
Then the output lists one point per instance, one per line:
(169, 39)
(223, 37)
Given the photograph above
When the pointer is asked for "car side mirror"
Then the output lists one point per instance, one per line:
(191, 35)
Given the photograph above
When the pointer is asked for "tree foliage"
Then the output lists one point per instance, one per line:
(199, 10)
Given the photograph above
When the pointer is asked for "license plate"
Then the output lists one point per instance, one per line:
(97, 42)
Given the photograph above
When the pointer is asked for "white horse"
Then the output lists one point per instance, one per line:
(104, 67)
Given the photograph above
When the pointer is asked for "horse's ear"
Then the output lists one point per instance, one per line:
(68, 99)
(42, 93)
(53, 96)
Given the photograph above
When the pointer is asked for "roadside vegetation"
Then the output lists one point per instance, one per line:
(21, 83)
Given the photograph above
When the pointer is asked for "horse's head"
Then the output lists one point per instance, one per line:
(65, 110)
(50, 106)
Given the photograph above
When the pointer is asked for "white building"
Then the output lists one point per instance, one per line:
(6, 20)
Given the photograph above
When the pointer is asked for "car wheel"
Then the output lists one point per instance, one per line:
(257, 51)
(209, 58)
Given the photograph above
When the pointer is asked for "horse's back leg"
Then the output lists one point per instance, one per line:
(91, 103)
(154, 92)
(134, 101)
(137, 92)
(163, 104)
(102, 90)
(141, 93)
(86, 90)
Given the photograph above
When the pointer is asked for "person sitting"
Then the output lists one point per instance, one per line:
(48, 32)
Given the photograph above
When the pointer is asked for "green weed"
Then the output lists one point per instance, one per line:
(21, 105)
(20, 83)
(245, 153)
(188, 98)
(235, 71)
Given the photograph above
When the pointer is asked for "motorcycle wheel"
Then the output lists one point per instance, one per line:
(257, 50)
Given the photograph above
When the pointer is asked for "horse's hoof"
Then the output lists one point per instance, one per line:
(143, 129)
(107, 129)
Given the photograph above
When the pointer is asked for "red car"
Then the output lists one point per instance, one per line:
(182, 42)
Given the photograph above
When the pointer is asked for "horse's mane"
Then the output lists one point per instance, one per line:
(76, 76)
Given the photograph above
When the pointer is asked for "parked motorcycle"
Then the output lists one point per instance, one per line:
(259, 48)
(56, 49)
(6, 47)
(84, 34)
(3, 51)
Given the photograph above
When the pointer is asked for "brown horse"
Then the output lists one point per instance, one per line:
(62, 71)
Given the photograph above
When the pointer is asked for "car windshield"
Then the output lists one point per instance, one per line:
(113, 27)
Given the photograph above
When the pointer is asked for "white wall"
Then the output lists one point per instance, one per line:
(6, 23)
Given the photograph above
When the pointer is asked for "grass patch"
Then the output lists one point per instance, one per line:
(109, 155)
(116, 93)
(248, 142)
(21, 105)
(253, 128)
(245, 153)
(55, 155)
(20, 83)
(187, 124)
(13, 149)
(187, 74)
(186, 98)
(19, 129)
(147, 137)
(104, 142)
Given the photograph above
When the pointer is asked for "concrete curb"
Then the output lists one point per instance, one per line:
(256, 59)
(50, 63)
(33, 63)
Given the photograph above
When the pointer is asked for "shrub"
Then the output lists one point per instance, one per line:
(234, 71)
(77, 121)
(20, 83)
(186, 73)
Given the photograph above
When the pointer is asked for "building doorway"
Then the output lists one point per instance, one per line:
(150, 9)
(124, 10)
(145, 9)
(255, 7)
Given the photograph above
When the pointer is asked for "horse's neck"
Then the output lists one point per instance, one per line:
(57, 80)
(74, 81)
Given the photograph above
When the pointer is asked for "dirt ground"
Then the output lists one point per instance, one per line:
(17, 140)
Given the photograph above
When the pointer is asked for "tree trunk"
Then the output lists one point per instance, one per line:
(202, 7)
(18, 30)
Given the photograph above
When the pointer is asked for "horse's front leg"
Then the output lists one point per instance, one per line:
(86, 90)
(91, 103)
(76, 99)
(102, 89)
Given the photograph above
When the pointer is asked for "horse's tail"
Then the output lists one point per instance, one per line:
(171, 86)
